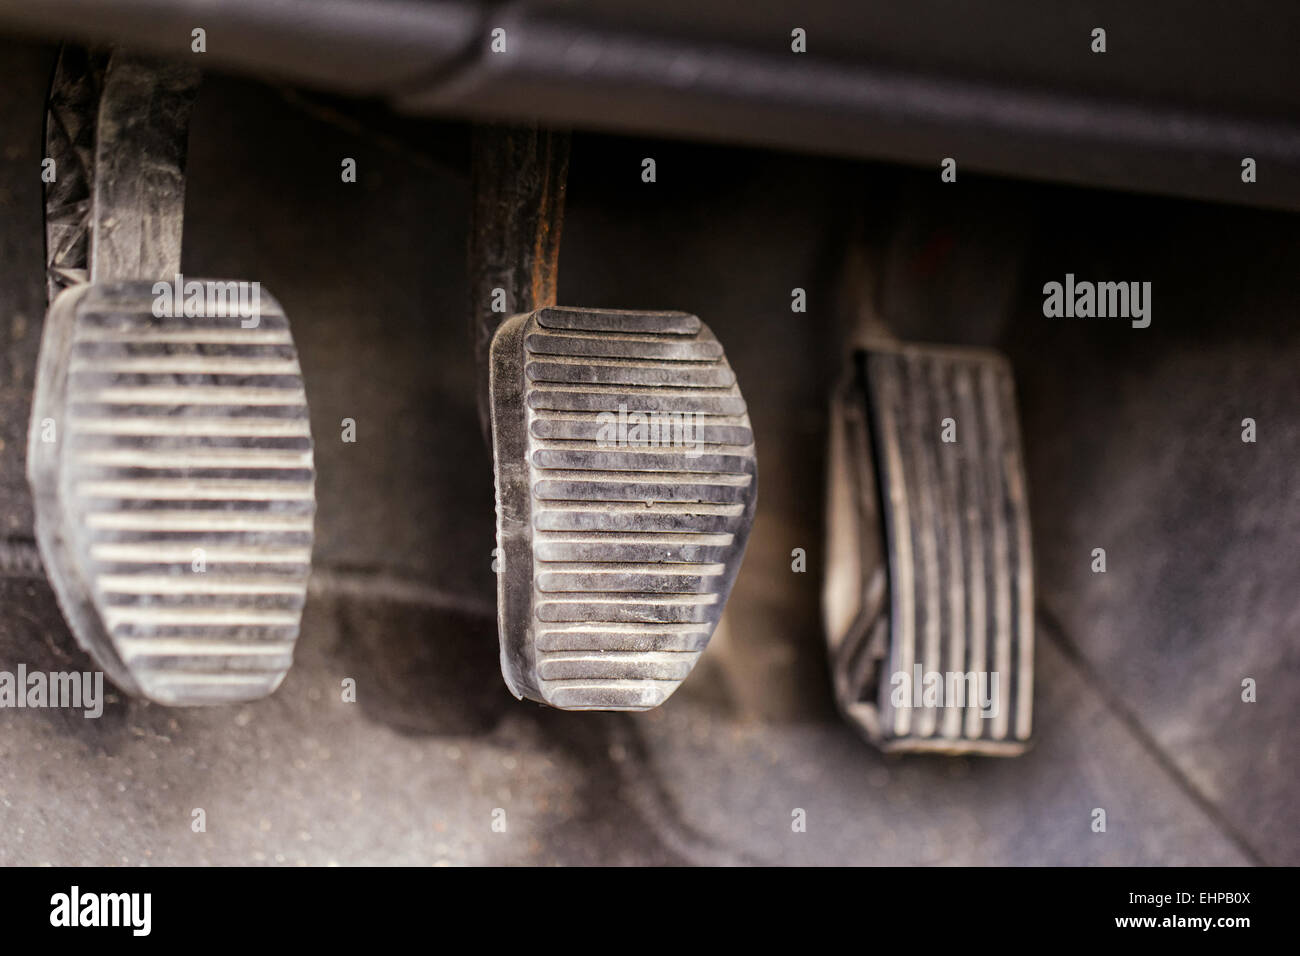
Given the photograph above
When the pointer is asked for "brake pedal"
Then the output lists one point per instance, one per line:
(929, 592)
(170, 454)
(625, 488)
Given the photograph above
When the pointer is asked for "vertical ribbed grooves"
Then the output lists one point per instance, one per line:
(957, 528)
(638, 524)
(185, 493)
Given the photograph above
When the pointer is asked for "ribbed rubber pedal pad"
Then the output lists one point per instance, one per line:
(625, 490)
(929, 590)
(171, 463)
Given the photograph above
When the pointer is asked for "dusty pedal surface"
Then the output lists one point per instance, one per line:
(929, 593)
(626, 483)
(171, 463)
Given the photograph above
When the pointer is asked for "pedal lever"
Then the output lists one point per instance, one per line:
(170, 453)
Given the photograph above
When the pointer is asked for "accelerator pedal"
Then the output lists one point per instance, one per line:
(930, 572)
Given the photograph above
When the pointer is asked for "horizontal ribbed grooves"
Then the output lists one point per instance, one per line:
(617, 322)
(635, 515)
(184, 434)
(961, 575)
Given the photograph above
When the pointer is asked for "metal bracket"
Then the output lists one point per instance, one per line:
(117, 129)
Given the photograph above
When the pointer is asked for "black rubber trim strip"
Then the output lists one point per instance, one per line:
(434, 58)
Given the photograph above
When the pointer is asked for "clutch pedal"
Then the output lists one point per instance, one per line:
(170, 453)
(929, 591)
(625, 488)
